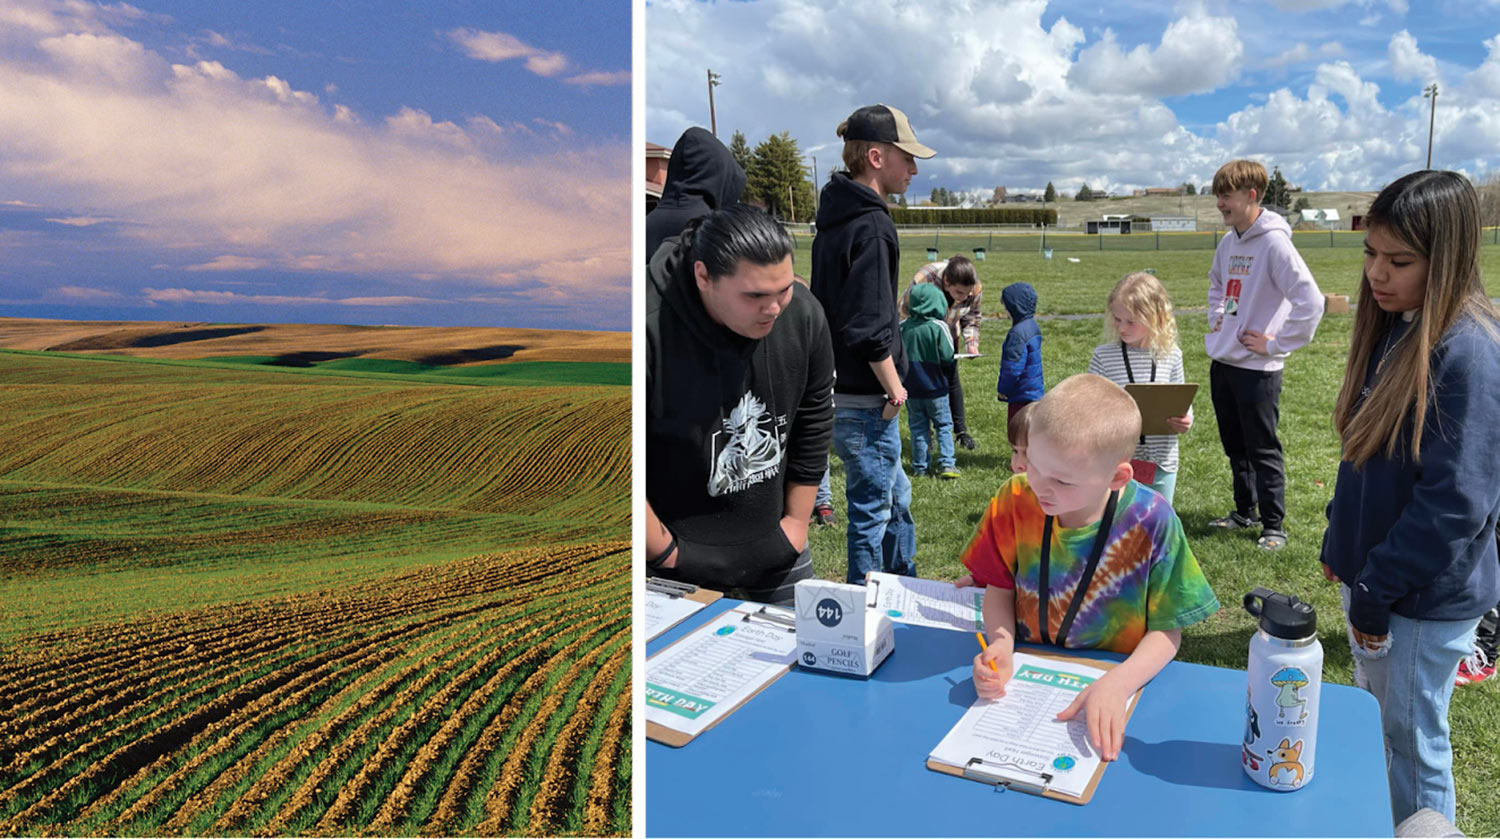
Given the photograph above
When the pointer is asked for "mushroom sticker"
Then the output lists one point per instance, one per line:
(1289, 680)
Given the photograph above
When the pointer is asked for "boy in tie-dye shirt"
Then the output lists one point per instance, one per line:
(1076, 501)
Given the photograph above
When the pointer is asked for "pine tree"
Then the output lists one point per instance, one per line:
(1084, 194)
(1277, 191)
(741, 151)
(777, 177)
(1189, 189)
(1050, 194)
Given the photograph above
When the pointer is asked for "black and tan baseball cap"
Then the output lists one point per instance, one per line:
(884, 124)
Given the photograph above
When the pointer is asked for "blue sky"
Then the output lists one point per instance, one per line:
(1117, 95)
(451, 163)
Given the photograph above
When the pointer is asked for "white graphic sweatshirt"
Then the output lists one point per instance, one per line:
(1258, 281)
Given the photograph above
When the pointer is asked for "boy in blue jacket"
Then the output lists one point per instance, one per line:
(1020, 381)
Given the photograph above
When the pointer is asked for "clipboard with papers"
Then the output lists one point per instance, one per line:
(1158, 401)
(669, 602)
(1014, 742)
(702, 678)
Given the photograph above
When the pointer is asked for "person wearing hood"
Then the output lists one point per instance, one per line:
(855, 256)
(1020, 382)
(1263, 304)
(702, 176)
(929, 347)
(739, 411)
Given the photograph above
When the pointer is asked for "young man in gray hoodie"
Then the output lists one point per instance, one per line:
(1262, 305)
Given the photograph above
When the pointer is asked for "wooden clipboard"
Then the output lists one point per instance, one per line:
(677, 739)
(1160, 400)
(1088, 791)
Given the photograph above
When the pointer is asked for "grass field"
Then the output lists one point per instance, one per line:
(247, 599)
(947, 512)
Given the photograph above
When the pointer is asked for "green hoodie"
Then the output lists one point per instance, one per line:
(929, 344)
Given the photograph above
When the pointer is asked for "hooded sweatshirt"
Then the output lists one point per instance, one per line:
(1021, 357)
(1418, 539)
(928, 343)
(1258, 281)
(702, 176)
(854, 261)
(729, 422)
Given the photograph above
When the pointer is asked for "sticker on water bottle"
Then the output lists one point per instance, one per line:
(1287, 770)
(1291, 706)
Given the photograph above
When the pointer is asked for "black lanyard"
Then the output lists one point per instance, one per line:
(1044, 583)
(1129, 374)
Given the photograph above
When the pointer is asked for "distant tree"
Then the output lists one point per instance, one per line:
(777, 177)
(901, 200)
(1277, 191)
(1302, 203)
(741, 151)
(1189, 189)
(1489, 200)
(1084, 194)
(1050, 194)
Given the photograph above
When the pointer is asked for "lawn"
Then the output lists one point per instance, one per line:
(947, 512)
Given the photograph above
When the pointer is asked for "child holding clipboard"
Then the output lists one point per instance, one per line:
(1140, 345)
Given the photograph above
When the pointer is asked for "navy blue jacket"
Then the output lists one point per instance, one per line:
(1418, 539)
(1021, 358)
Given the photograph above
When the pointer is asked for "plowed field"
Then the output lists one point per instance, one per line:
(255, 602)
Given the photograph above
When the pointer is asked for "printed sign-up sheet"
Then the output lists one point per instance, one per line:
(695, 682)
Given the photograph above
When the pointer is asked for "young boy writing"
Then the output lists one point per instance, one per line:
(1073, 553)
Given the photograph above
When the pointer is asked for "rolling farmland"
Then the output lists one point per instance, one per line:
(246, 600)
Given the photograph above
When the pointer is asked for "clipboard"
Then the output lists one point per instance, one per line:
(677, 739)
(1158, 401)
(679, 590)
(975, 770)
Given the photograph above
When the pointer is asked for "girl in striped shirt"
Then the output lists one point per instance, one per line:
(1140, 345)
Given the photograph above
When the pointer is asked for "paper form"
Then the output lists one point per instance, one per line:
(1018, 736)
(698, 680)
(933, 603)
(664, 612)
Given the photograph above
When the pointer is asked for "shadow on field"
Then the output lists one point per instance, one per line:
(167, 339)
(492, 353)
(307, 358)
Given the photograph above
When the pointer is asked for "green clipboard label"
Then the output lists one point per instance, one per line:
(681, 704)
(1051, 678)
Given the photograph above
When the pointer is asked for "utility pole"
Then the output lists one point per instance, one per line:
(815, 187)
(792, 203)
(713, 82)
(1431, 91)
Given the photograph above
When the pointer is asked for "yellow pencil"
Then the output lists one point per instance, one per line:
(984, 646)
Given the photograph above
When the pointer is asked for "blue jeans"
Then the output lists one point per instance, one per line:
(881, 533)
(934, 413)
(1165, 483)
(825, 490)
(1414, 683)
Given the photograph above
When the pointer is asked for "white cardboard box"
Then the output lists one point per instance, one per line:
(837, 633)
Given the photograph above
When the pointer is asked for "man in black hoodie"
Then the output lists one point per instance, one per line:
(702, 176)
(855, 258)
(739, 411)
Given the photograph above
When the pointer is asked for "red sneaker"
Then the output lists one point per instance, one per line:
(823, 515)
(1476, 668)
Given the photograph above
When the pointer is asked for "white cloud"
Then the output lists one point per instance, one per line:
(1300, 52)
(500, 46)
(1409, 63)
(85, 294)
(599, 78)
(1197, 53)
(225, 298)
(195, 158)
(79, 221)
(229, 262)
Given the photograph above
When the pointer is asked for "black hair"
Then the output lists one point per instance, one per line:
(721, 239)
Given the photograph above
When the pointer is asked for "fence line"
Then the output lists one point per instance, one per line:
(942, 241)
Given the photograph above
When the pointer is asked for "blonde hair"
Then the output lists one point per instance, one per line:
(1146, 299)
(1088, 413)
(1241, 174)
(1435, 214)
(856, 152)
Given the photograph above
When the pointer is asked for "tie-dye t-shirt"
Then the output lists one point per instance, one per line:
(1147, 578)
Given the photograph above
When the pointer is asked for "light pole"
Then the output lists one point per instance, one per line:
(1430, 92)
(713, 82)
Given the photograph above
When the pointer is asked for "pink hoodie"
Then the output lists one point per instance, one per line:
(1259, 281)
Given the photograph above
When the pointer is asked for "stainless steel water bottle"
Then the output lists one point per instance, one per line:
(1281, 703)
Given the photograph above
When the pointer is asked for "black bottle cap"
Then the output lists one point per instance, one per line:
(1282, 615)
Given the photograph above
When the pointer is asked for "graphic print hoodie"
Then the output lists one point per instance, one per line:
(1258, 281)
(729, 422)
(702, 176)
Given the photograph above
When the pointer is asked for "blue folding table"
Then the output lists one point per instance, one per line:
(822, 755)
